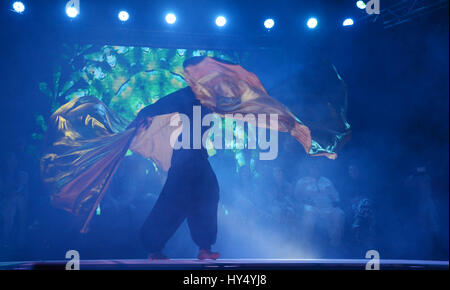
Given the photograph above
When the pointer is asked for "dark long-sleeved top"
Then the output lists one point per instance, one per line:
(181, 101)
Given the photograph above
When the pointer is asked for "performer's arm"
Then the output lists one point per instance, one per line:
(174, 102)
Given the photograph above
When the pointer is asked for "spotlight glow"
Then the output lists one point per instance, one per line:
(348, 22)
(269, 23)
(361, 4)
(171, 18)
(18, 7)
(312, 23)
(123, 16)
(72, 12)
(221, 21)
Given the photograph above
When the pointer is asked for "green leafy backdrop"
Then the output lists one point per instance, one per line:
(124, 78)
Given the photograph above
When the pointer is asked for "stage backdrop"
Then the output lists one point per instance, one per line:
(128, 78)
(125, 78)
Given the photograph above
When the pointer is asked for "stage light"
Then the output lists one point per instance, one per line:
(221, 21)
(72, 12)
(312, 23)
(348, 22)
(269, 23)
(171, 18)
(361, 4)
(18, 7)
(123, 16)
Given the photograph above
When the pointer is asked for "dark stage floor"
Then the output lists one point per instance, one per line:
(231, 264)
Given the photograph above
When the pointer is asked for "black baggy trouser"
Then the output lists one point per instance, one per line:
(191, 192)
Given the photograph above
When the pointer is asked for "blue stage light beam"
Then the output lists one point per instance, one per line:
(269, 23)
(72, 12)
(18, 7)
(123, 16)
(361, 4)
(348, 22)
(312, 23)
(221, 21)
(171, 18)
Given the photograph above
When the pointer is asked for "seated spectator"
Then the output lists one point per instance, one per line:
(359, 205)
(279, 197)
(422, 223)
(363, 224)
(13, 201)
(319, 208)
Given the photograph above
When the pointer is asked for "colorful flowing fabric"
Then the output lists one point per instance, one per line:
(86, 141)
(230, 89)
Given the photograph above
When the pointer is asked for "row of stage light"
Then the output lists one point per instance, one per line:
(170, 18)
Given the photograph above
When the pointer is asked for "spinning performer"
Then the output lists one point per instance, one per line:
(191, 190)
(86, 142)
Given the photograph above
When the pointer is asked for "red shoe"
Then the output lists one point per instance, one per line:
(157, 256)
(207, 255)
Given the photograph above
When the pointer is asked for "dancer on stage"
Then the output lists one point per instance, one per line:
(87, 141)
(191, 190)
